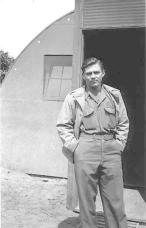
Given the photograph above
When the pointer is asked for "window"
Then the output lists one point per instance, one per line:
(57, 76)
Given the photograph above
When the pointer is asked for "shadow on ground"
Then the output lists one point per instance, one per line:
(71, 222)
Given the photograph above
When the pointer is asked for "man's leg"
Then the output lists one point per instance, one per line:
(87, 180)
(111, 188)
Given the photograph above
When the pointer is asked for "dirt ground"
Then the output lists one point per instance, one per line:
(38, 202)
(34, 202)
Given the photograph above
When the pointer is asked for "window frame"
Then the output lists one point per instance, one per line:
(46, 79)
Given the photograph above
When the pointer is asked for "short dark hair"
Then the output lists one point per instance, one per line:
(91, 61)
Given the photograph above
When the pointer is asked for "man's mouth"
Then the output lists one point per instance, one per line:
(94, 81)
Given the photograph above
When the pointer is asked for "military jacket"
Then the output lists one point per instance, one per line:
(74, 110)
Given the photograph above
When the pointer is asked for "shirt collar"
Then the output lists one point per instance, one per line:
(100, 98)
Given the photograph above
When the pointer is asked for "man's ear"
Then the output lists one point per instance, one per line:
(83, 76)
(103, 73)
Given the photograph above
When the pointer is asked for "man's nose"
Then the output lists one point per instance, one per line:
(93, 74)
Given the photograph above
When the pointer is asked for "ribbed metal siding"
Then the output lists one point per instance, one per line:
(112, 13)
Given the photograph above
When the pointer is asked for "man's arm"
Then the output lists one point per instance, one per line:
(65, 124)
(123, 123)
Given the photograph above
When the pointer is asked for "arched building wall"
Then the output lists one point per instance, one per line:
(30, 142)
(24, 80)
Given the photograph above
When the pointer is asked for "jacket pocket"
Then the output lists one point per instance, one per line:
(89, 120)
(110, 110)
(110, 114)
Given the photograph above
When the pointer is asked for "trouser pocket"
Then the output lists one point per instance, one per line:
(118, 145)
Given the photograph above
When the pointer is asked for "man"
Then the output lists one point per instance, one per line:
(93, 126)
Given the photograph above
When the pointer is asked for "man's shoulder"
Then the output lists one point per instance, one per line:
(77, 92)
(75, 95)
(111, 89)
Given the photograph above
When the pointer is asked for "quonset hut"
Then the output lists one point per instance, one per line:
(32, 94)
(49, 67)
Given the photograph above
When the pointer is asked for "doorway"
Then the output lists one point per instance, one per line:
(123, 54)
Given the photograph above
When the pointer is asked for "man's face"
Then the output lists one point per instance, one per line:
(93, 76)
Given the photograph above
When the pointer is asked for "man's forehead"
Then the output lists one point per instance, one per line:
(93, 67)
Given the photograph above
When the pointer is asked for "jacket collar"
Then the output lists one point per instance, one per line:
(80, 96)
(110, 89)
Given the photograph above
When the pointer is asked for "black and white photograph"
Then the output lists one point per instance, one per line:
(73, 113)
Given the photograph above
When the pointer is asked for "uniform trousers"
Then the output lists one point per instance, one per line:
(98, 164)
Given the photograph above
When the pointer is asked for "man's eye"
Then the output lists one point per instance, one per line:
(94, 72)
(88, 74)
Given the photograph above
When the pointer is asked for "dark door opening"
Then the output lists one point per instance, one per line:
(123, 54)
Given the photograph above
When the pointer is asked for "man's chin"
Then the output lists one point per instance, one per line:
(95, 85)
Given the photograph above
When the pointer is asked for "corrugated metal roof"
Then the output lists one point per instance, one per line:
(112, 13)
